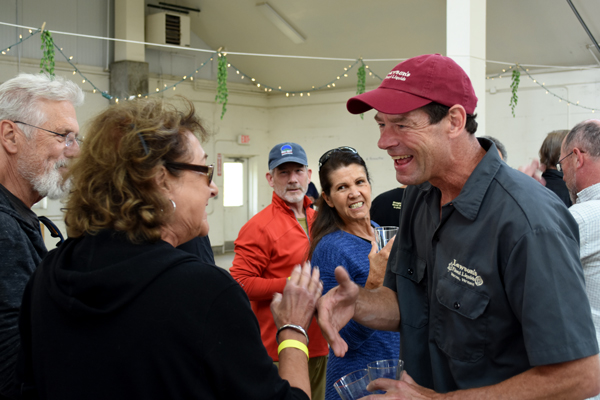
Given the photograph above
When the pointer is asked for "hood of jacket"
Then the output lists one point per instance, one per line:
(98, 274)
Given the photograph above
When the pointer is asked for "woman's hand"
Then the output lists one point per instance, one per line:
(377, 264)
(298, 303)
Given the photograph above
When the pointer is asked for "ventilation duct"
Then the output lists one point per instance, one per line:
(168, 28)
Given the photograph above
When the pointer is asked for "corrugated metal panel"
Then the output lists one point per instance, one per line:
(83, 17)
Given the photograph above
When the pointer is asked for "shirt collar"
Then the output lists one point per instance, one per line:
(589, 193)
(471, 196)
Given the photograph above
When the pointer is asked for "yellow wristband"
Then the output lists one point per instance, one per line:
(295, 344)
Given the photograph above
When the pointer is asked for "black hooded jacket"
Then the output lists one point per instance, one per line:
(103, 318)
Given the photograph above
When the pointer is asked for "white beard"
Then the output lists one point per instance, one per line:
(50, 184)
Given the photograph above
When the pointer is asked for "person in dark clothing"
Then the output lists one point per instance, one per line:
(386, 208)
(201, 247)
(38, 136)
(118, 312)
(549, 156)
(484, 281)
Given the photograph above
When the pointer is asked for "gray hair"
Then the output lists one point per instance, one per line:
(586, 135)
(499, 145)
(19, 97)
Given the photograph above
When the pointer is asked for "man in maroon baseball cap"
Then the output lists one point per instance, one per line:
(484, 281)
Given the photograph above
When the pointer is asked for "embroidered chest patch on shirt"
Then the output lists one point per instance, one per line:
(464, 274)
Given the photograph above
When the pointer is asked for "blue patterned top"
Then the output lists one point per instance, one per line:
(364, 345)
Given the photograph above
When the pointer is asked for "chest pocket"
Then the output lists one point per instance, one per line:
(460, 322)
(410, 270)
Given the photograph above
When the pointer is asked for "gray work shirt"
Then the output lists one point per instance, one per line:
(493, 285)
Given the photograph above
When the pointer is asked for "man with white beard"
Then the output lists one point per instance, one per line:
(38, 135)
(271, 244)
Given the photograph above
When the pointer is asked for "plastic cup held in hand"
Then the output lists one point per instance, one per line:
(383, 234)
(390, 369)
(354, 385)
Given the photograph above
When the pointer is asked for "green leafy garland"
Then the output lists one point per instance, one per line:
(361, 76)
(47, 61)
(222, 92)
(514, 86)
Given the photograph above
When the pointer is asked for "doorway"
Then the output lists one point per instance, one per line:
(236, 204)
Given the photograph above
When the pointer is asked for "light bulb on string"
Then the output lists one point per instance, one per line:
(74, 72)
(253, 79)
(308, 94)
(287, 95)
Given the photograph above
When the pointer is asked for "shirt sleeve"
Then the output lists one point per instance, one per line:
(331, 252)
(546, 289)
(16, 267)
(240, 365)
(252, 257)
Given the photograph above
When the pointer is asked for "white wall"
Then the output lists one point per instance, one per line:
(538, 113)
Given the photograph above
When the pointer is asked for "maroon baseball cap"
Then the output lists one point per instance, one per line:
(416, 82)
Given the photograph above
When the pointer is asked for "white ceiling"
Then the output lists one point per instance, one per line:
(540, 32)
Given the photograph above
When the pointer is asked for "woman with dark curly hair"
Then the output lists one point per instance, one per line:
(117, 312)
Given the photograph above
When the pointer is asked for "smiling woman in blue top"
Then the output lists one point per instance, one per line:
(343, 234)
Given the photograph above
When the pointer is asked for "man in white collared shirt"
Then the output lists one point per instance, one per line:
(580, 163)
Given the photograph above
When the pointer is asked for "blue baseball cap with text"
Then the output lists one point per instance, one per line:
(286, 152)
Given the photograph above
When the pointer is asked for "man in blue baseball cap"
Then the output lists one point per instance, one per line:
(272, 243)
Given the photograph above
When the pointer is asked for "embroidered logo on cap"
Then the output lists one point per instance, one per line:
(286, 149)
(398, 75)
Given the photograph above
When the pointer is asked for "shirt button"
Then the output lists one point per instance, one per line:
(456, 305)
(410, 271)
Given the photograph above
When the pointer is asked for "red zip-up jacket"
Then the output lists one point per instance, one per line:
(266, 250)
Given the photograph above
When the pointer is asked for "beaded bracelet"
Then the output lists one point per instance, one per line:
(296, 344)
(294, 327)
